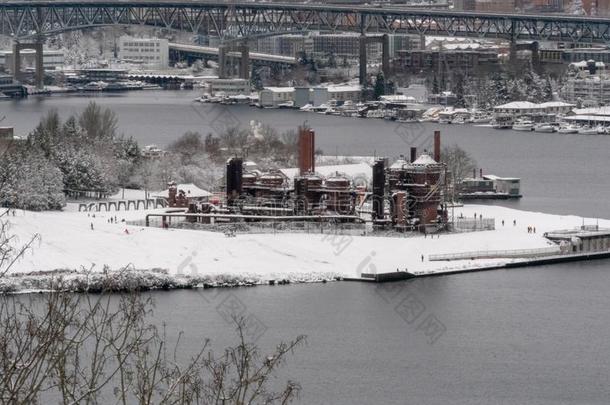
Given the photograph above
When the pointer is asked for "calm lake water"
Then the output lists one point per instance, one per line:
(526, 336)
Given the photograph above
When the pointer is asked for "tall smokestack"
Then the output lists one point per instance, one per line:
(234, 176)
(474, 173)
(437, 146)
(481, 173)
(378, 189)
(307, 150)
(413, 154)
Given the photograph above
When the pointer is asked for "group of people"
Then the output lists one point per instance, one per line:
(111, 220)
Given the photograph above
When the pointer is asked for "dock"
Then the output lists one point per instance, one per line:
(557, 259)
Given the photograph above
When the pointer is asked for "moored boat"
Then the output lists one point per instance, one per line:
(568, 129)
(544, 127)
(523, 125)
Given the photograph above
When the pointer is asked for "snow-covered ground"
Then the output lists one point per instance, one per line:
(68, 242)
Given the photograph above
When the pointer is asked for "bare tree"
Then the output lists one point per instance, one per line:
(10, 253)
(459, 163)
(87, 351)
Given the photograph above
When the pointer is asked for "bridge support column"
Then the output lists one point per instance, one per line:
(535, 48)
(244, 65)
(17, 62)
(39, 66)
(222, 61)
(512, 56)
(363, 60)
(385, 55)
(39, 73)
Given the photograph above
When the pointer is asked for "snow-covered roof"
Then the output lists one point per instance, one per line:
(399, 164)
(344, 88)
(494, 177)
(517, 104)
(554, 104)
(424, 160)
(600, 111)
(397, 98)
(584, 64)
(351, 170)
(597, 118)
(527, 105)
(279, 89)
(191, 191)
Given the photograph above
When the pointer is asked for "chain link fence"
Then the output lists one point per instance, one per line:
(310, 227)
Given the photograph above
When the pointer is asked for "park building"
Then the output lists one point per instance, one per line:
(151, 52)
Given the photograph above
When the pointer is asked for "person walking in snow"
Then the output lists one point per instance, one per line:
(422, 258)
(91, 225)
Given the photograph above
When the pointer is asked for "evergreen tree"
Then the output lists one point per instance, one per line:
(548, 90)
(435, 88)
(255, 79)
(380, 86)
(459, 91)
(332, 61)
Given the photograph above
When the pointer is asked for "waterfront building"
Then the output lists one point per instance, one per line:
(101, 75)
(593, 90)
(51, 60)
(273, 97)
(9, 87)
(519, 108)
(229, 87)
(153, 52)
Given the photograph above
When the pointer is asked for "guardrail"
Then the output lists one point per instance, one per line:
(497, 254)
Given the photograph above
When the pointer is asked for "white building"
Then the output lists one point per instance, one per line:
(345, 93)
(594, 90)
(152, 52)
(517, 108)
(229, 87)
(272, 97)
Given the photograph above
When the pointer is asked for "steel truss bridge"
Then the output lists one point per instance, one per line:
(24, 19)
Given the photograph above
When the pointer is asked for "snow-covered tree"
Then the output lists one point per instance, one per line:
(35, 182)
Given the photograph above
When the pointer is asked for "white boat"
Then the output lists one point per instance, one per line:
(587, 130)
(523, 126)
(479, 118)
(568, 129)
(547, 128)
(95, 86)
(307, 107)
(502, 121)
(602, 130)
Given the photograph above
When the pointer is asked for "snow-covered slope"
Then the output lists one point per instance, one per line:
(67, 242)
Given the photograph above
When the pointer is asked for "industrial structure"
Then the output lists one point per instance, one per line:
(415, 192)
(406, 196)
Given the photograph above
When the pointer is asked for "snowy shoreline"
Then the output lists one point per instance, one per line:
(69, 249)
(125, 280)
